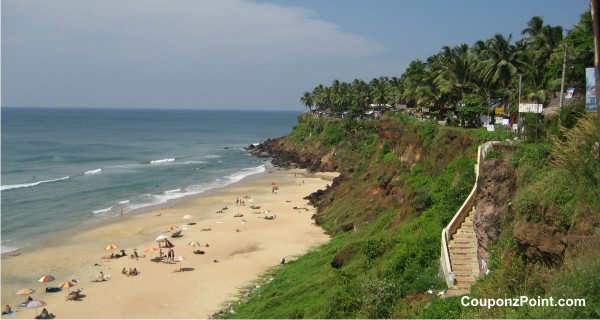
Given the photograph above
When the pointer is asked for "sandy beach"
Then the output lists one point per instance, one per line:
(243, 247)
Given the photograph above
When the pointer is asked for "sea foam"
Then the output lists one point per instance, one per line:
(32, 184)
(95, 171)
(165, 196)
(102, 210)
(162, 161)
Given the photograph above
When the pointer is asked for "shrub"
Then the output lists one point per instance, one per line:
(373, 248)
(333, 133)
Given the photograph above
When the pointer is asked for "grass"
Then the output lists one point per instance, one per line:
(403, 182)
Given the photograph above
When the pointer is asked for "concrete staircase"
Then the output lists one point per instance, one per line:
(463, 257)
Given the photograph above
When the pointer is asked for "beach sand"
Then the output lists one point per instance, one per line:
(158, 291)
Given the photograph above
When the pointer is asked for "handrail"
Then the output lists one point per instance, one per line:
(460, 215)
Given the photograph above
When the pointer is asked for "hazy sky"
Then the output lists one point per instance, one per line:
(232, 54)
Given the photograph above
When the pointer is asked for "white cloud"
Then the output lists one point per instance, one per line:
(159, 53)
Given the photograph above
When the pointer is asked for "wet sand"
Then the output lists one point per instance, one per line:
(243, 246)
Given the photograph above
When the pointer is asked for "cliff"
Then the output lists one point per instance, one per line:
(401, 182)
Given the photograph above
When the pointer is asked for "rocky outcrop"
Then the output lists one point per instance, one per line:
(540, 242)
(497, 185)
(293, 158)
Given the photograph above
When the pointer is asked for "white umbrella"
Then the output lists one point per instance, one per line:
(187, 217)
(161, 237)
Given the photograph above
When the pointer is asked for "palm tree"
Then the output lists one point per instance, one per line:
(502, 63)
(307, 100)
(534, 27)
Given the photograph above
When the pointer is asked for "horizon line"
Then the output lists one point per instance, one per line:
(151, 108)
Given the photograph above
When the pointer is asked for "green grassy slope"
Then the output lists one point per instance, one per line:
(402, 181)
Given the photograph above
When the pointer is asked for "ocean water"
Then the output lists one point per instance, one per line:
(62, 167)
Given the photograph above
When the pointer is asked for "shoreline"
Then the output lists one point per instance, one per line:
(253, 248)
(99, 221)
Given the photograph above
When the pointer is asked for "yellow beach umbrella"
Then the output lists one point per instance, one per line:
(68, 284)
(111, 246)
(24, 292)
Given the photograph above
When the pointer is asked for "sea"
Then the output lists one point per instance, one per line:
(62, 167)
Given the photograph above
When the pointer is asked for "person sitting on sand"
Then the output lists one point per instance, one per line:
(45, 315)
(101, 276)
(123, 254)
(282, 261)
(7, 309)
(135, 254)
(134, 272)
(124, 271)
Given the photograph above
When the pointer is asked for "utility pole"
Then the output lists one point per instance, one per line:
(519, 106)
(594, 7)
(562, 81)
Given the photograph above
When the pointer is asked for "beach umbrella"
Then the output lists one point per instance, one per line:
(47, 278)
(194, 243)
(111, 246)
(187, 217)
(161, 237)
(33, 304)
(68, 284)
(151, 249)
(24, 292)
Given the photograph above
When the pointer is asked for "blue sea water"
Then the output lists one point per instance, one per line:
(61, 167)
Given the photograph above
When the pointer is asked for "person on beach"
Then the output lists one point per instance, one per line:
(7, 309)
(135, 254)
(282, 261)
(124, 271)
(160, 252)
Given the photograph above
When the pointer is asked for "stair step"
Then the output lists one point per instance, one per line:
(468, 249)
(467, 231)
(462, 277)
(466, 272)
(463, 237)
(457, 292)
(462, 261)
(462, 268)
(462, 242)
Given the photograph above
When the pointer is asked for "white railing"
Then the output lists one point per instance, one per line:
(460, 216)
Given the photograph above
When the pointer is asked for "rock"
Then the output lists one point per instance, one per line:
(496, 186)
(540, 241)
(348, 227)
(343, 256)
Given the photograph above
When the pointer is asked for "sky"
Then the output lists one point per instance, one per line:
(232, 54)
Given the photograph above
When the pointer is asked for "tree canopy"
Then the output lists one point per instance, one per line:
(486, 71)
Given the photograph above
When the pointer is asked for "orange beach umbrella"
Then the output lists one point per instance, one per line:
(111, 246)
(151, 249)
(68, 284)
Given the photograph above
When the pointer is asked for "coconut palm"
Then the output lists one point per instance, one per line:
(307, 100)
